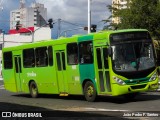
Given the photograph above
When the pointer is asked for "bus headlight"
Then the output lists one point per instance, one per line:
(119, 81)
(153, 77)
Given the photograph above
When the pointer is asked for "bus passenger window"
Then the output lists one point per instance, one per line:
(86, 52)
(72, 54)
(28, 58)
(7, 58)
(50, 55)
(41, 56)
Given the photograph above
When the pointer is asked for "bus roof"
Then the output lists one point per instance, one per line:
(74, 38)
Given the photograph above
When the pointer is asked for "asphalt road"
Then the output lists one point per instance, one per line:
(76, 106)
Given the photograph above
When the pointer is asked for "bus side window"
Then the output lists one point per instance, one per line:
(86, 52)
(28, 58)
(50, 56)
(41, 56)
(72, 53)
(7, 58)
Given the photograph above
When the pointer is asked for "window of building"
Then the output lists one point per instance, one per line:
(86, 52)
(28, 58)
(7, 58)
(72, 54)
(41, 57)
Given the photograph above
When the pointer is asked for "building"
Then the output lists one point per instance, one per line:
(119, 4)
(32, 20)
(35, 15)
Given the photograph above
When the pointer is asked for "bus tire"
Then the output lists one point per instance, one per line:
(90, 91)
(33, 89)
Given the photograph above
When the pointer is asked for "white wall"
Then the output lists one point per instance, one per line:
(43, 33)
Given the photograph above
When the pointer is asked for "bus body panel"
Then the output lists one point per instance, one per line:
(139, 86)
(87, 72)
(62, 78)
(102, 66)
(9, 80)
(73, 77)
(17, 56)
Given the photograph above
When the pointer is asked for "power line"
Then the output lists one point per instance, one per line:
(75, 24)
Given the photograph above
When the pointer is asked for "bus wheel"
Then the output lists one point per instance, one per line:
(90, 91)
(33, 90)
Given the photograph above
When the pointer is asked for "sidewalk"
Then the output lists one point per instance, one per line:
(1, 78)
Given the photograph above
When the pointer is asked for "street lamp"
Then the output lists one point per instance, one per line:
(18, 25)
(50, 23)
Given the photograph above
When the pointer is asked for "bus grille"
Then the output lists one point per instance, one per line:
(138, 86)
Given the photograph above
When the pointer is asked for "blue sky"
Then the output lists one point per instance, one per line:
(73, 11)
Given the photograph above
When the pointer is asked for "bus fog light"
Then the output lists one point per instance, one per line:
(153, 77)
(119, 81)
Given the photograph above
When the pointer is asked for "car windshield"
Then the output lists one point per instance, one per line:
(134, 56)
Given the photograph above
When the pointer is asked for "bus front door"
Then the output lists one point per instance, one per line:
(102, 67)
(61, 73)
(18, 71)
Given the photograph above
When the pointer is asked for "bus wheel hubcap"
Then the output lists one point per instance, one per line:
(90, 91)
(34, 89)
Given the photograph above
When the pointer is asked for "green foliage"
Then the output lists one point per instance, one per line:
(143, 14)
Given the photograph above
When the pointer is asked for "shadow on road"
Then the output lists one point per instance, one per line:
(49, 114)
(150, 96)
(121, 100)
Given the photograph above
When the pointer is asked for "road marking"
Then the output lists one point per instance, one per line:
(102, 109)
(92, 109)
(1, 86)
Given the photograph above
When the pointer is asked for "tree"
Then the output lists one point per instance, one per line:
(143, 14)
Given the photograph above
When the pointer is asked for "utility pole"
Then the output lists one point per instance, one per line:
(89, 16)
(3, 39)
(59, 27)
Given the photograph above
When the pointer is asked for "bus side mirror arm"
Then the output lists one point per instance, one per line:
(110, 52)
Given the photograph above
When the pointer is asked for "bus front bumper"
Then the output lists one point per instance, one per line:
(125, 89)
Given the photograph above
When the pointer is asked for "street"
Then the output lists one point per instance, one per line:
(76, 106)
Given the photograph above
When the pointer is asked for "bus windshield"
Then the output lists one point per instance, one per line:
(133, 55)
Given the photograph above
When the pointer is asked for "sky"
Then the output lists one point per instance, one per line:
(69, 11)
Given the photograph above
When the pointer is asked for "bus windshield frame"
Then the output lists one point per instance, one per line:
(133, 53)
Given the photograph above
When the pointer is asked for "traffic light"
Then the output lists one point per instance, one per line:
(50, 23)
(17, 25)
(93, 28)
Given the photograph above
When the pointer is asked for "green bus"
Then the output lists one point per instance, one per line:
(120, 62)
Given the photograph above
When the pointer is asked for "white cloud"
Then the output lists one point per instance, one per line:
(76, 10)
